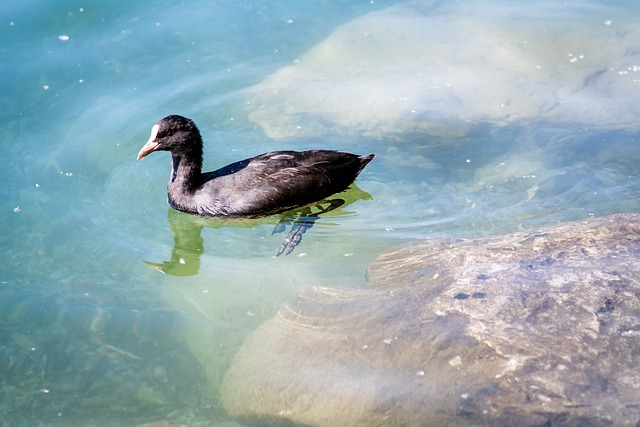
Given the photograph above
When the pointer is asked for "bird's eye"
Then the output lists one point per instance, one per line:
(164, 132)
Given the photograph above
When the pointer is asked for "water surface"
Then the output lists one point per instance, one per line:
(92, 331)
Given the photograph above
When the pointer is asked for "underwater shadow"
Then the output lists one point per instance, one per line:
(188, 244)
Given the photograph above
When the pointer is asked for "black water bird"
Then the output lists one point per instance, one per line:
(267, 184)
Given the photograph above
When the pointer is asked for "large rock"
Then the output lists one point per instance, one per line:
(539, 328)
(443, 68)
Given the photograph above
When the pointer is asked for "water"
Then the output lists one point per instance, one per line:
(92, 332)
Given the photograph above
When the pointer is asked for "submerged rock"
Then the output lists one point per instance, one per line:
(537, 328)
(443, 68)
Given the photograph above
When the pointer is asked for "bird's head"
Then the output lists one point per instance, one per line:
(174, 133)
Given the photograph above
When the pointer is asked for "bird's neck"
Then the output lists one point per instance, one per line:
(186, 171)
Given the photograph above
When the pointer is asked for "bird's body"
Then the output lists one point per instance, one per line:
(267, 184)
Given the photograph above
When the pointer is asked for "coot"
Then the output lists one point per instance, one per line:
(267, 184)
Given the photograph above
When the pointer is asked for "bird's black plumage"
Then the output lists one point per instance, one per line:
(267, 184)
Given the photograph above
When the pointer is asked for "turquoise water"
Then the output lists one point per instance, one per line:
(91, 330)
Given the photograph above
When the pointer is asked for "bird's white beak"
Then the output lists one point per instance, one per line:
(151, 145)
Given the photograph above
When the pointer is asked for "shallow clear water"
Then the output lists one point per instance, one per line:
(91, 332)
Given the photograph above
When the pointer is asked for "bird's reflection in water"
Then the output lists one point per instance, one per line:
(188, 244)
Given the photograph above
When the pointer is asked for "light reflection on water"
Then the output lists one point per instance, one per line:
(117, 342)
